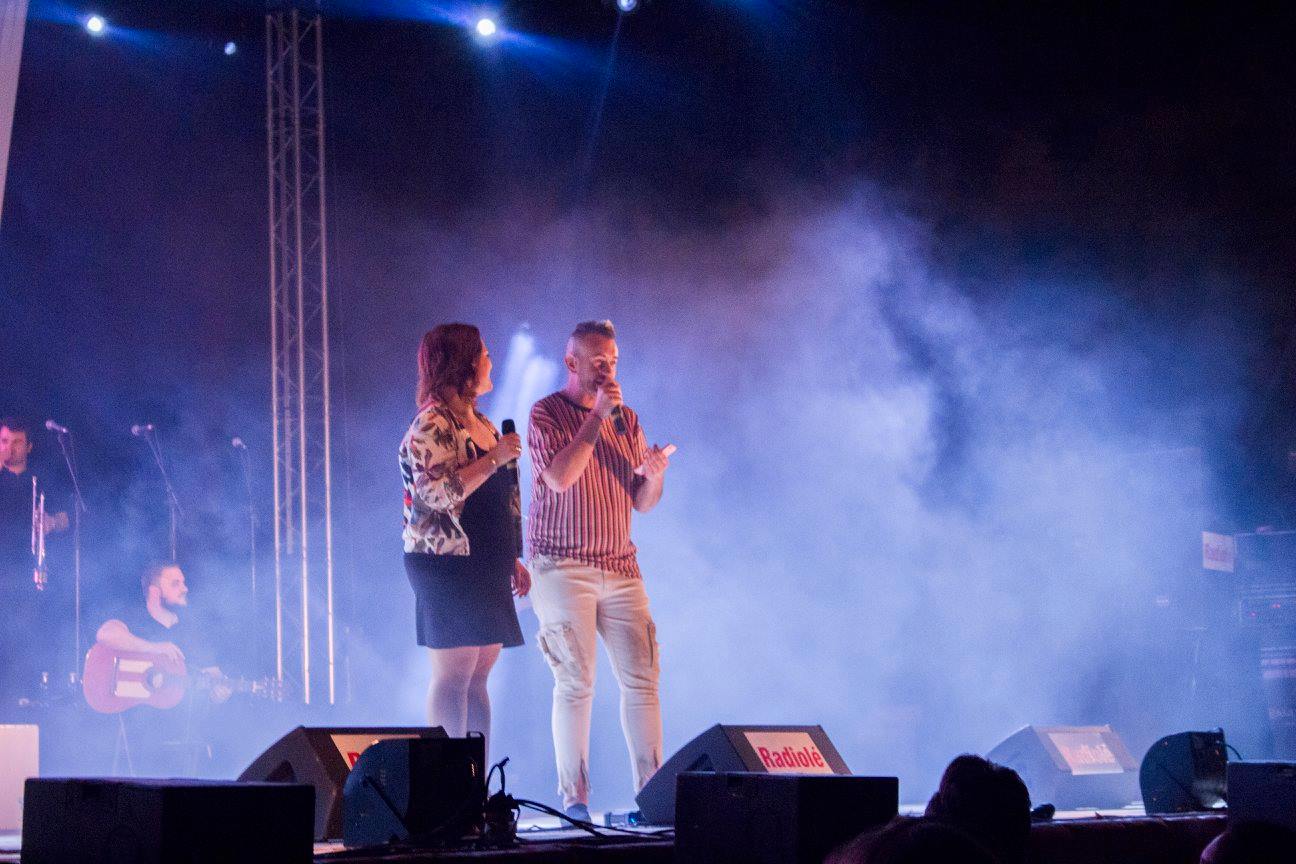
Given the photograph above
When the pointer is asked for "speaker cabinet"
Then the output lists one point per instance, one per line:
(759, 749)
(1262, 792)
(1185, 773)
(1071, 767)
(70, 821)
(323, 756)
(421, 792)
(746, 818)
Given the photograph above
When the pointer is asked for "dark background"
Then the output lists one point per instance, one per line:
(1104, 191)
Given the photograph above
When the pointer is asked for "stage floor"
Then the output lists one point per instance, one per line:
(545, 838)
(543, 831)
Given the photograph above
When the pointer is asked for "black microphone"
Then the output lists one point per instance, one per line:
(509, 427)
(618, 420)
(141, 429)
(54, 427)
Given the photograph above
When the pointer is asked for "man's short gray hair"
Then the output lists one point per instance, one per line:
(602, 328)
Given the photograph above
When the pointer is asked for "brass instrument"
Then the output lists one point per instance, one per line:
(38, 525)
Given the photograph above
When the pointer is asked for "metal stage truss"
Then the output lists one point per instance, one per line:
(299, 343)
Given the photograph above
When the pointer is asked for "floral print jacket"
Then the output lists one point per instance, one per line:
(433, 450)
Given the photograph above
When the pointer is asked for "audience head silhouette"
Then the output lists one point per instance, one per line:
(1251, 843)
(989, 802)
(907, 840)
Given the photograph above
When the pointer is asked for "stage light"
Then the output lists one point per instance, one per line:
(230, 49)
(486, 28)
(627, 5)
(95, 25)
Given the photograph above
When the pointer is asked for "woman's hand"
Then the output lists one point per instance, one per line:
(507, 449)
(521, 579)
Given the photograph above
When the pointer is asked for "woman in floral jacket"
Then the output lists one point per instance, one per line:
(461, 518)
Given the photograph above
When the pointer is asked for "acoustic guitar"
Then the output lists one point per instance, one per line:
(114, 681)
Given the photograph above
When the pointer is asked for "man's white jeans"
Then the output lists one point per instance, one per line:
(574, 602)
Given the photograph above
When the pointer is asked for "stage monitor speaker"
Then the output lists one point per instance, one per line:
(760, 749)
(1071, 767)
(1262, 792)
(72, 821)
(746, 818)
(322, 756)
(420, 792)
(1185, 773)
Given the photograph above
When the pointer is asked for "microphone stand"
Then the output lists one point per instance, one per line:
(252, 544)
(78, 509)
(173, 503)
(252, 520)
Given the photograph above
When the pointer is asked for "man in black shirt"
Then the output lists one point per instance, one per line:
(25, 644)
(16, 497)
(158, 627)
(167, 741)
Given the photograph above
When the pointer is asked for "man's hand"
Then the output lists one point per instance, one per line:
(169, 650)
(521, 579)
(608, 399)
(220, 691)
(656, 461)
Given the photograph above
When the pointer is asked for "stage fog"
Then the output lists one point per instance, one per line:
(918, 517)
(934, 481)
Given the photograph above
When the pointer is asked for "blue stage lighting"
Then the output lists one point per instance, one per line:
(486, 28)
(627, 5)
(95, 25)
(230, 49)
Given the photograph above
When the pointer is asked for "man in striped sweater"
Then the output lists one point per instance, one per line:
(590, 465)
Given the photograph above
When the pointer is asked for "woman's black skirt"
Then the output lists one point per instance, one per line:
(463, 600)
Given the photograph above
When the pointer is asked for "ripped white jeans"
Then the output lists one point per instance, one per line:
(574, 602)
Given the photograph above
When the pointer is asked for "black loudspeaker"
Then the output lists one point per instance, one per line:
(420, 792)
(322, 756)
(165, 821)
(762, 749)
(1184, 773)
(1071, 767)
(1262, 792)
(745, 818)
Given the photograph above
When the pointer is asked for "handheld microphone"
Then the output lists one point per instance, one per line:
(237, 443)
(508, 427)
(139, 430)
(54, 427)
(618, 420)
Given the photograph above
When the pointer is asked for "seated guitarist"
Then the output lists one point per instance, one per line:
(159, 627)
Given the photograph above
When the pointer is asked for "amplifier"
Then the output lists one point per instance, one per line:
(1266, 578)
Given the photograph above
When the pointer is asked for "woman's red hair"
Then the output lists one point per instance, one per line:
(447, 362)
